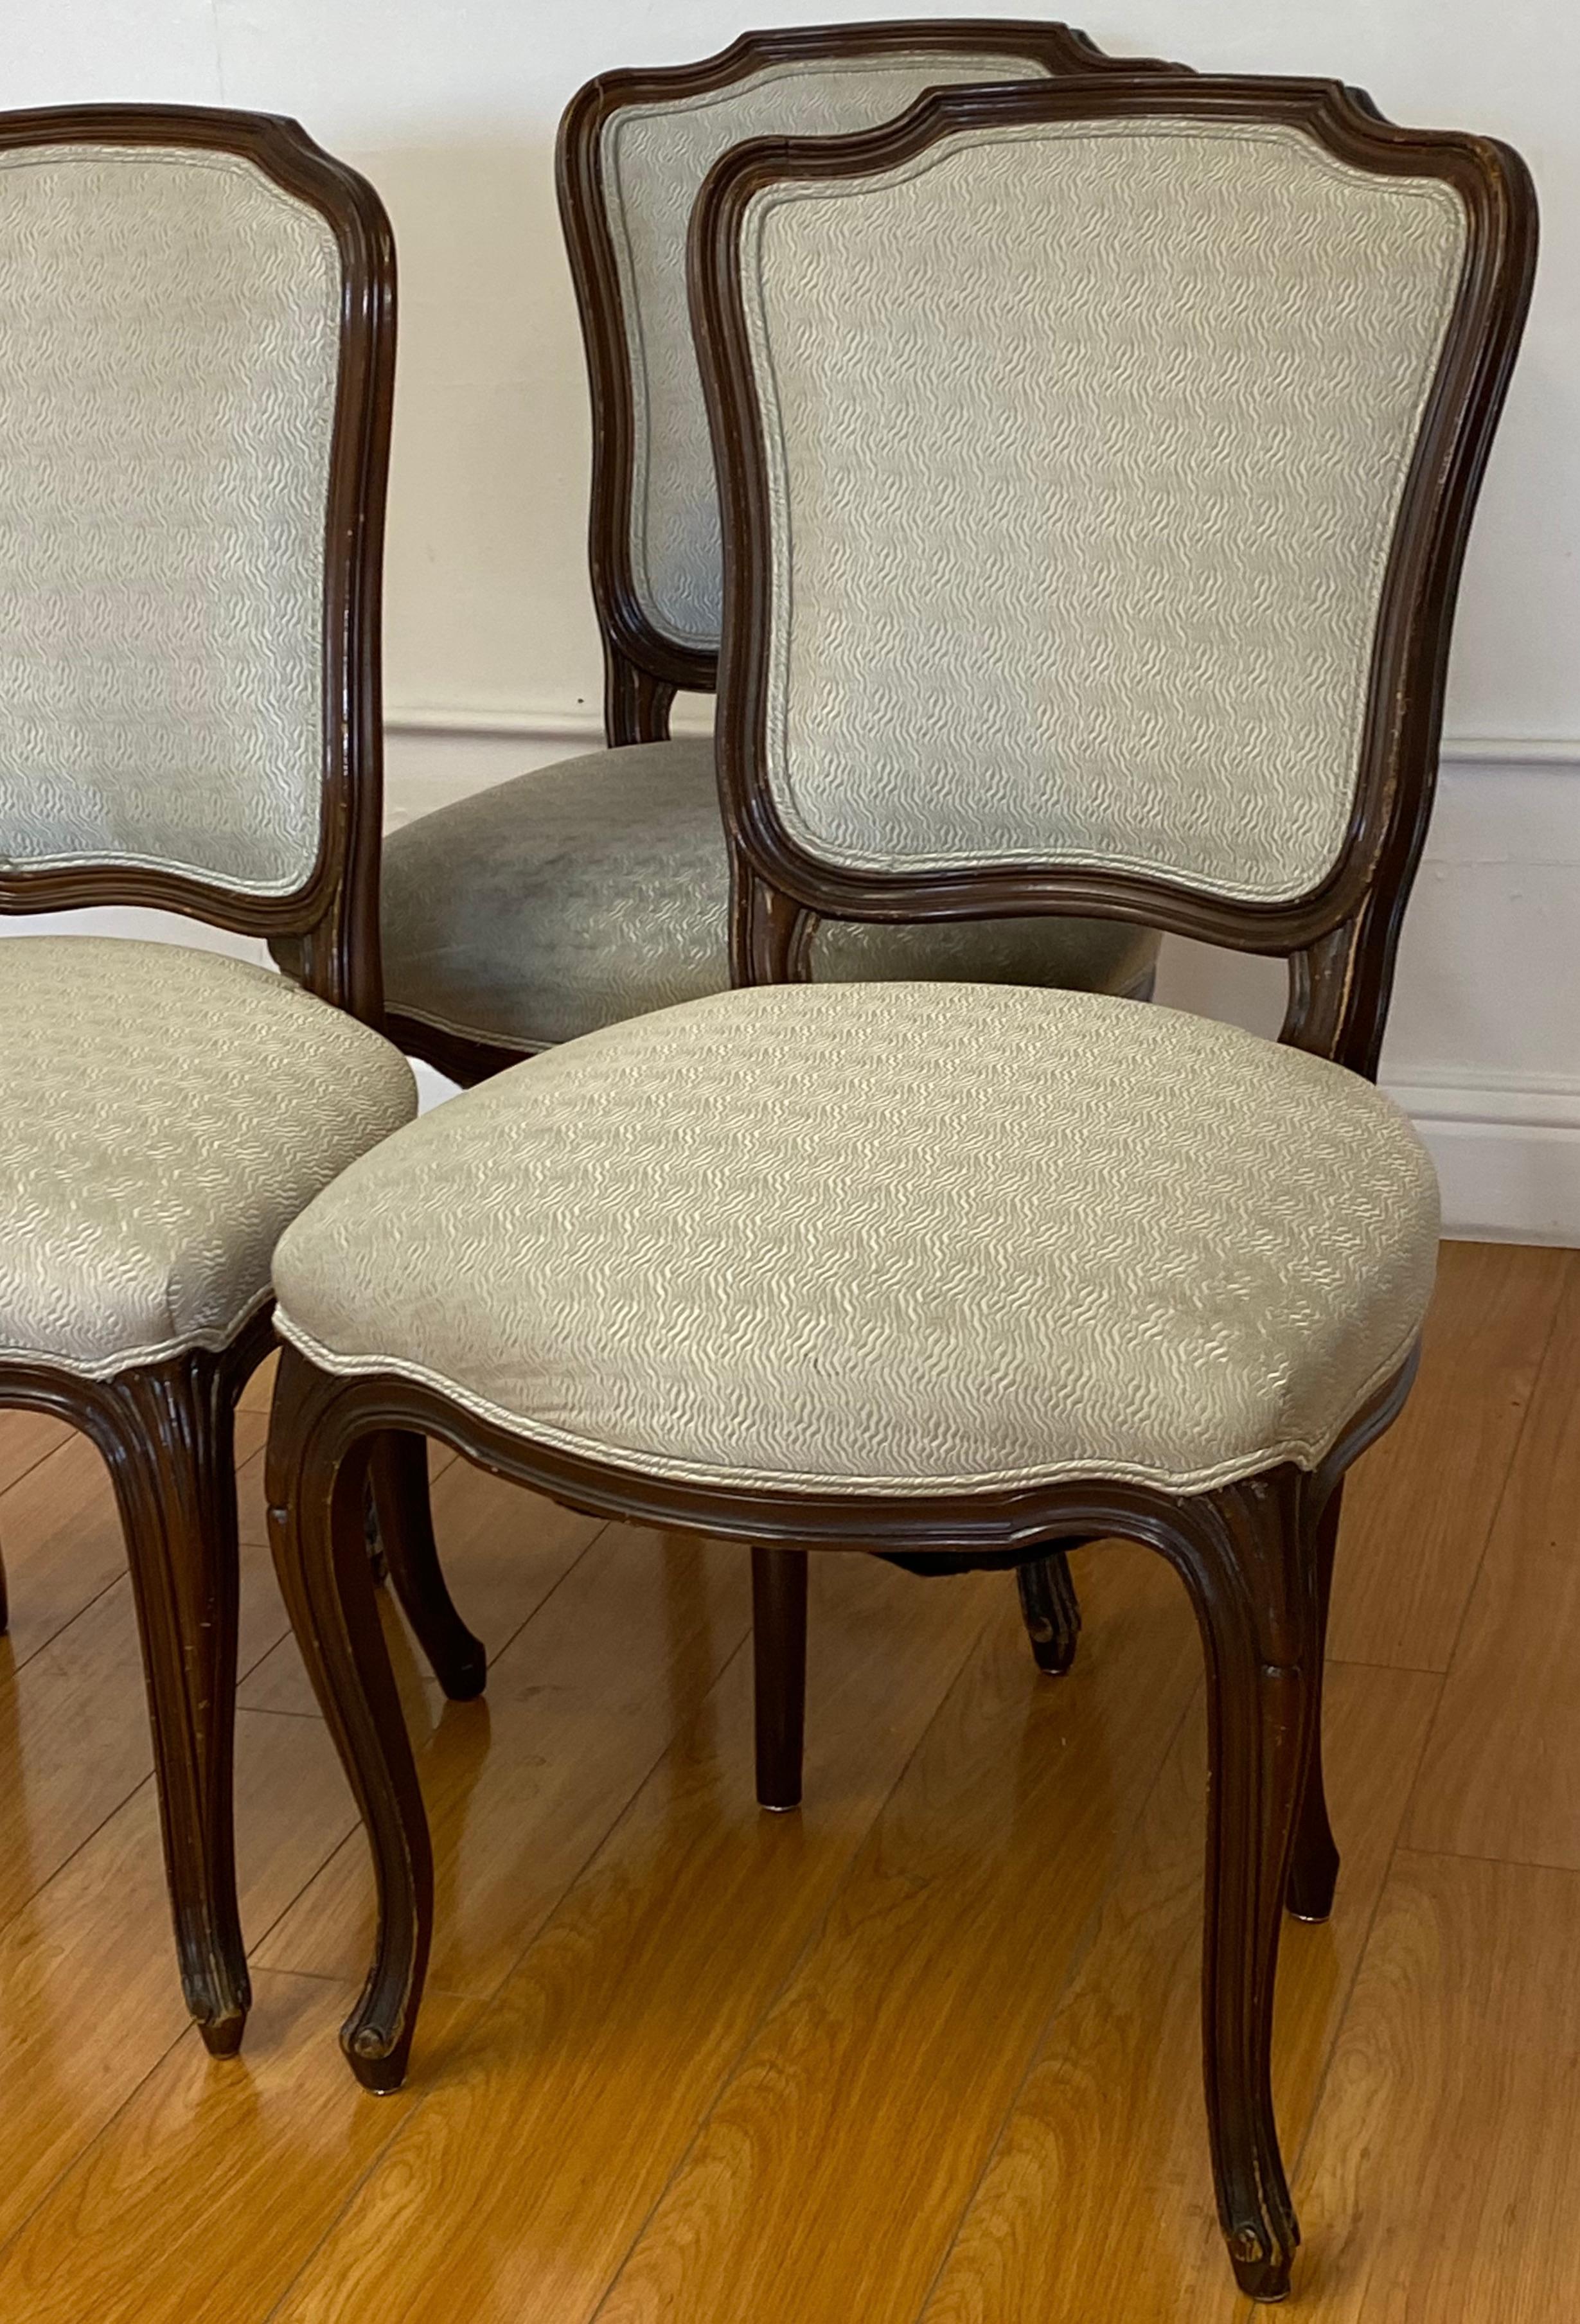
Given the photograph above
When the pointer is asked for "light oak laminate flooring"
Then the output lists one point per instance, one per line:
(924, 2054)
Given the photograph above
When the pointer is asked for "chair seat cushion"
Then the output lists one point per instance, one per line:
(904, 1238)
(167, 1112)
(597, 889)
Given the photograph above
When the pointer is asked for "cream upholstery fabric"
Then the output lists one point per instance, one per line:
(167, 1112)
(1110, 420)
(901, 1236)
(566, 900)
(652, 162)
(169, 351)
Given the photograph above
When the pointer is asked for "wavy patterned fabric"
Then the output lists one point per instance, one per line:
(1086, 442)
(169, 352)
(167, 1112)
(547, 907)
(653, 159)
(898, 1237)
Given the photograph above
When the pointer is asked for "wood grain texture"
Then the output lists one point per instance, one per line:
(1417, 1513)
(1441, 2173)
(523, 1785)
(90, 2005)
(61, 1536)
(24, 1439)
(1071, 2203)
(212, 2183)
(895, 2050)
(257, 1390)
(504, 1553)
(74, 1743)
(1503, 1776)
(784, 2036)
(628, 2012)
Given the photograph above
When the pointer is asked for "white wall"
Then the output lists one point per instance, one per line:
(492, 658)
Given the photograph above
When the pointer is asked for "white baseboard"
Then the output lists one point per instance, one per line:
(1507, 1153)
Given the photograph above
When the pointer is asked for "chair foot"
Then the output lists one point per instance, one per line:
(1261, 2277)
(379, 2066)
(1313, 1879)
(1051, 1609)
(779, 1653)
(222, 2035)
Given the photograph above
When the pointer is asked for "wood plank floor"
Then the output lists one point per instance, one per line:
(926, 2053)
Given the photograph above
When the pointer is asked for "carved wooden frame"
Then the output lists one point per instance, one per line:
(1255, 1554)
(1342, 938)
(330, 923)
(166, 1429)
(1255, 1557)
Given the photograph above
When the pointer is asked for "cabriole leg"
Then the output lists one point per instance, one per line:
(316, 1491)
(167, 1435)
(1250, 1564)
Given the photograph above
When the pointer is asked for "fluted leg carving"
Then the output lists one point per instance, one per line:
(166, 1433)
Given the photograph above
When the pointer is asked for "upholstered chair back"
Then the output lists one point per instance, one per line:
(1084, 446)
(653, 153)
(171, 324)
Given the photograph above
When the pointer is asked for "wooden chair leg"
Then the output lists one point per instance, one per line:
(778, 1648)
(320, 1554)
(1315, 1864)
(1251, 1566)
(166, 1432)
(1051, 1609)
(398, 1475)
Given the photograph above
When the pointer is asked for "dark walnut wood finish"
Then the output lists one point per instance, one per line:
(1255, 1555)
(165, 1429)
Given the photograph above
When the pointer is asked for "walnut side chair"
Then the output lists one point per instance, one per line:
(546, 907)
(1181, 393)
(197, 345)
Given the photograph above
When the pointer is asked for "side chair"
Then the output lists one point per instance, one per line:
(545, 907)
(1179, 394)
(197, 345)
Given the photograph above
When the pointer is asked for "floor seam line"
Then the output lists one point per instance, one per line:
(813, 1935)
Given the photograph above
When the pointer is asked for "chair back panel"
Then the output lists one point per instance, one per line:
(169, 349)
(1084, 444)
(653, 158)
